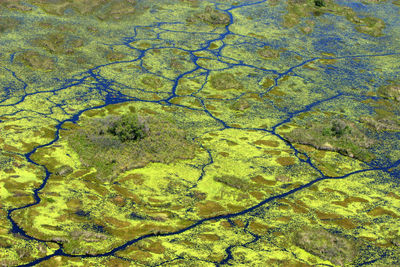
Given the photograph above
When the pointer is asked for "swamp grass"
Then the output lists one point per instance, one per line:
(115, 144)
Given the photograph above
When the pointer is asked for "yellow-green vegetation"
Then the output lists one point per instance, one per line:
(101, 9)
(7, 24)
(199, 133)
(59, 43)
(383, 120)
(5, 160)
(386, 110)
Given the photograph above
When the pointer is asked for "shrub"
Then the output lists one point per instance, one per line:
(127, 128)
(319, 3)
(338, 128)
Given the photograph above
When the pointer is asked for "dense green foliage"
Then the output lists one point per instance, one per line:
(127, 128)
(337, 129)
(319, 3)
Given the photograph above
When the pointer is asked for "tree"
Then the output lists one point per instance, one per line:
(319, 3)
(127, 128)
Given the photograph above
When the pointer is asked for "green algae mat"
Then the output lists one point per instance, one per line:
(199, 133)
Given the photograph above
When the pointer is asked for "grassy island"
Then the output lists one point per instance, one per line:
(336, 135)
(115, 144)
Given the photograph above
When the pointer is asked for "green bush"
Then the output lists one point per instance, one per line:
(127, 128)
(338, 128)
(319, 3)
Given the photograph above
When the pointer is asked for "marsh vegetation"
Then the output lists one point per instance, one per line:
(321, 243)
(268, 52)
(5, 160)
(391, 91)
(211, 16)
(298, 9)
(225, 81)
(115, 144)
(336, 135)
(36, 60)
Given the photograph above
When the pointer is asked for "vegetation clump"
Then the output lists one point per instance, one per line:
(268, 52)
(36, 61)
(103, 10)
(211, 16)
(152, 82)
(339, 136)
(298, 9)
(321, 243)
(115, 144)
(370, 25)
(127, 128)
(63, 170)
(233, 181)
(7, 24)
(319, 3)
(391, 91)
(382, 122)
(224, 81)
(57, 43)
(337, 129)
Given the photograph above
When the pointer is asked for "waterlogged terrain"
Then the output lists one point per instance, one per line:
(199, 133)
